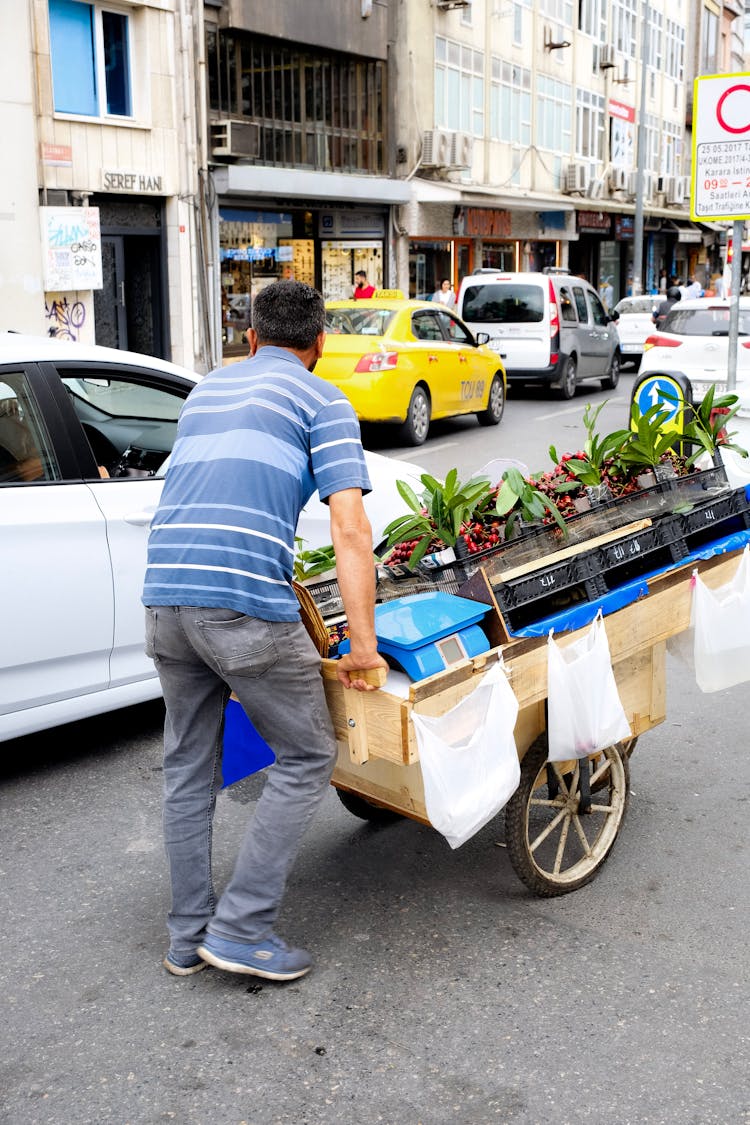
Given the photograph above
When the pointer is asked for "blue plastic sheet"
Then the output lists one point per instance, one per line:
(244, 751)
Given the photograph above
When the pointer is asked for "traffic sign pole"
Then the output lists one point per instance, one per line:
(738, 228)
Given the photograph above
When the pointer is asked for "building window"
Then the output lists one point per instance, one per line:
(322, 111)
(674, 55)
(459, 87)
(624, 24)
(589, 125)
(561, 11)
(90, 53)
(709, 41)
(553, 115)
(592, 19)
(510, 103)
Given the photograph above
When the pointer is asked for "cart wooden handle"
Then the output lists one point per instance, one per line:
(374, 676)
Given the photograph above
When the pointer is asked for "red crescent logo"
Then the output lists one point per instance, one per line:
(719, 109)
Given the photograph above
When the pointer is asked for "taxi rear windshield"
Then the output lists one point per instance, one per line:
(705, 322)
(358, 322)
(504, 304)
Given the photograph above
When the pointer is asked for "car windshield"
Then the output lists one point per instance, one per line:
(503, 303)
(705, 322)
(635, 305)
(359, 321)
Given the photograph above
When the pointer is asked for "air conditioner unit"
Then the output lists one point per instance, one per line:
(675, 190)
(436, 148)
(618, 179)
(596, 188)
(604, 57)
(462, 150)
(575, 179)
(235, 140)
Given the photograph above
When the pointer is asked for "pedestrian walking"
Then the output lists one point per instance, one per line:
(254, 441)
(660, 311)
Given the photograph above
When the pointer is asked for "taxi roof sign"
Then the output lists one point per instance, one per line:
(389, 294)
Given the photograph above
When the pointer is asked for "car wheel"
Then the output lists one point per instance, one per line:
(568, 378)
(495, 404)
(613, 378)
(415, 428)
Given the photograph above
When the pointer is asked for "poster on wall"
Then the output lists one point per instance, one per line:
(71, 248)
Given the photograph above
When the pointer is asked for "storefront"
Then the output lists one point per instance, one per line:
(320, 246)
(307, 233)
(455, 240)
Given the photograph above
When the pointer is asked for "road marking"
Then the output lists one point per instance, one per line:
(573, 410)
(418, 454)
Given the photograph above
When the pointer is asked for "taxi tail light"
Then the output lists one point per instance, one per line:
(377, 361)
(659, 341)
(554, 325)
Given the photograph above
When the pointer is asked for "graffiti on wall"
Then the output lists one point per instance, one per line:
(66, 319)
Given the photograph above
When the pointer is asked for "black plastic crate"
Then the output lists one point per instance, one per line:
(554, 588)
(641, 552)
(714, 518)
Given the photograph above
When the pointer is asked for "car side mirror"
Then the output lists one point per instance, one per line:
(482, 338)
(614, 316)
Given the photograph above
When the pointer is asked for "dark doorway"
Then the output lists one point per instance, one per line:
(129, 308)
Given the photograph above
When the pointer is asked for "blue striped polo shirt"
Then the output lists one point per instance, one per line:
(254, 441)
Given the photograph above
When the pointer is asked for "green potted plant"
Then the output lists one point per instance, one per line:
(520, 502)
(707, 428)
(435, 519)
(592, 466)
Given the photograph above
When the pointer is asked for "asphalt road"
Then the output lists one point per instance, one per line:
(443, 992)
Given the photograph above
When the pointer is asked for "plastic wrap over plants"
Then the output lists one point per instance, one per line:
(721, 630)
(468, 757)
(584, 712)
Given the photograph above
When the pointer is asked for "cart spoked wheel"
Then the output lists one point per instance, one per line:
(366, 810)
(562, 822)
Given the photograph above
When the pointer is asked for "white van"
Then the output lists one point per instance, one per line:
(550, 328)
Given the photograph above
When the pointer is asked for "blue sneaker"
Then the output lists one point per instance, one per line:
(183, 964)
(270, 958)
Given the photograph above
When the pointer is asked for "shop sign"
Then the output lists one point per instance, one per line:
(351, 224)
(141, 182)
(621, 111)
(59, 155)
(482, 222)
(71, 248)
(600, 222)
(551, 220)
(350, 244)
(624, 228)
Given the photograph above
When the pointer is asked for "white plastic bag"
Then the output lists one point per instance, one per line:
(584, 712)
(721, 628)
(469, 759)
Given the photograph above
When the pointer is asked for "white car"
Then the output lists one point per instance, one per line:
(695, 342)
(84, 436)
(634, 324)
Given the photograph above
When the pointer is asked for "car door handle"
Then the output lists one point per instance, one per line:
(432, 358)
(462, 359)
(140, 519)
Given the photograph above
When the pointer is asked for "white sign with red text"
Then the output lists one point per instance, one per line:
(721, 147)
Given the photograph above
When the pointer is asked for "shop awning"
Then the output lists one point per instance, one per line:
(436, 191)
(685, 230)
(254, 181)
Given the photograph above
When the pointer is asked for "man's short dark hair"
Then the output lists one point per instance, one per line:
(288, 314)
(360, 273)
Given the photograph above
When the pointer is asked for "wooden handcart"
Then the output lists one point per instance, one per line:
(564, 818)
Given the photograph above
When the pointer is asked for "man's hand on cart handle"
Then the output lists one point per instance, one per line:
(362, 675)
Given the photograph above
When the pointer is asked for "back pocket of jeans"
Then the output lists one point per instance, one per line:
(240, 646)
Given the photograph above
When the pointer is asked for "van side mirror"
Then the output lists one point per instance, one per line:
(482, 338)
(614, 316)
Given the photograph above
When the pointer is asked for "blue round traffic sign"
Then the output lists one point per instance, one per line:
(660, 391)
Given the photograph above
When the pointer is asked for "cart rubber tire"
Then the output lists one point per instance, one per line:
(366, 810)
(553, 850)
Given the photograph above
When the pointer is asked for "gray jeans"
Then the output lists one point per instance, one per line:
(274, 670)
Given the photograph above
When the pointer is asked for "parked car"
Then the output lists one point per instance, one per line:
(634, 324)
(549, 328)
(695, 342)
(84, 437)
(409, 362)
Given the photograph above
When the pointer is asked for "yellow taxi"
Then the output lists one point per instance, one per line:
(408, 362)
